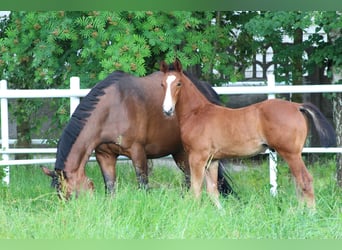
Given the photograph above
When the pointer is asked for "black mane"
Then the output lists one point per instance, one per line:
(80, 116)
(205, 87)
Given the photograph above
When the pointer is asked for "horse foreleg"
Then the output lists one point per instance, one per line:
(303, 179)
(211, 183)
(139, 160)
(197, 169)
(107, 164)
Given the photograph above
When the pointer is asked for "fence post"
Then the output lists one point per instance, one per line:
(4, 131)
(74, 101)
(272, 154)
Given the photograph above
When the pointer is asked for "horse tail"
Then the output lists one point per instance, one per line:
(225, 182)
(325, 130)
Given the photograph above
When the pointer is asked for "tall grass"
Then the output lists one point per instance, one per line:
(30, 209)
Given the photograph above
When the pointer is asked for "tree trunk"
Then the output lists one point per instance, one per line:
(337, 112)
(337, 109)
(338, 123)
(337, 106)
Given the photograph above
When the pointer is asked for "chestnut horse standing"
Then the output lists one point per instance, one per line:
(210, 132)
(121, 115)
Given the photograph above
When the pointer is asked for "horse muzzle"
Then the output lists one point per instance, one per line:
(169, 112)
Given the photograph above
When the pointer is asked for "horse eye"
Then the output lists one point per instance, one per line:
(179, 84)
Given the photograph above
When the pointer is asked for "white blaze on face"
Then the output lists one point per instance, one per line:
(168, 104)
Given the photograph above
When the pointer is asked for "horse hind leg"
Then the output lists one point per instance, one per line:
(303, 179)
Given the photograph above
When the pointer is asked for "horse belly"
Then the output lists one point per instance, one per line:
(239, 138)
(242, 149)
(156, 150)
(162, 144)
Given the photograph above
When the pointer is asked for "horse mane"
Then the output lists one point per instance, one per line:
(80, 116)
(204, 87)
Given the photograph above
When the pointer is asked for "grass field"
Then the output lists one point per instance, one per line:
(29, 208)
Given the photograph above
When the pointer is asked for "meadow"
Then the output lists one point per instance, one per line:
(30, 209)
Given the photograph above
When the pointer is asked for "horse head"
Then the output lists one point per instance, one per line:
(172, 82)
(65, 185)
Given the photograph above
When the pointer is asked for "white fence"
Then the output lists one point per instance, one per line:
(74, 93)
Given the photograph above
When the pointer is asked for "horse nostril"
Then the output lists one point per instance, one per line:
(168, 112)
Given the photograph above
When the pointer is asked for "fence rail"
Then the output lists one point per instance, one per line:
(74, 93)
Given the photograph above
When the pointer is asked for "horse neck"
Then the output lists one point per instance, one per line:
(190, 100)
(79, 153)
(78, 156)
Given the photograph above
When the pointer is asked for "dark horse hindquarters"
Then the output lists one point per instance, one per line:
(121, 116)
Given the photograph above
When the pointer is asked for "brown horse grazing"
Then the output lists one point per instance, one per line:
(210, 132)
(121, 115)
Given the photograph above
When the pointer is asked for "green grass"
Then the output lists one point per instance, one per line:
(29, 208)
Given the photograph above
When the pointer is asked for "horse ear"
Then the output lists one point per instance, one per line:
(164, 67)
(178, 65)
(49, 172)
